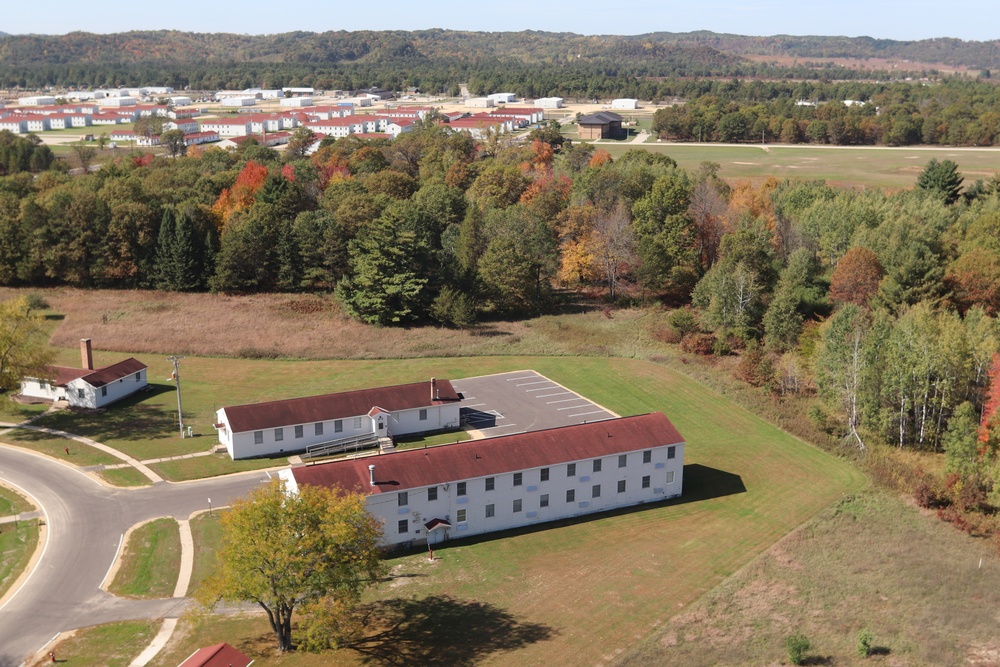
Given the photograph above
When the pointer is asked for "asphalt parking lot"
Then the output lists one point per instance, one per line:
(522, 401)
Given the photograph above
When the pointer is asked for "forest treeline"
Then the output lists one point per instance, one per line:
(884, 304)
(962, 113)
(530, 64)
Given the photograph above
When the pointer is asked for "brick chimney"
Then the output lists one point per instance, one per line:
(434, 389)
(86, 354)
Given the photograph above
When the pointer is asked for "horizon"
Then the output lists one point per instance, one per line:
(898, 20)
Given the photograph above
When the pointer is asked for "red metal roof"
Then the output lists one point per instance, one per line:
(257, 416)
(109, 374)
(220, 655)
(417, 468)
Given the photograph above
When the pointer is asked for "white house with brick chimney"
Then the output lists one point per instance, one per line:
(282, 427)
(480, 486)
(88, 387)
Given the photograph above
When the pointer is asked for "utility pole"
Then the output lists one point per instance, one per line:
(176, 376)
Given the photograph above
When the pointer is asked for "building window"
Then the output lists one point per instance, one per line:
(622, 460)
(403, 498)
(403, 526)
(423, 414)
(645, 481)
(357, 423)
(544, 475)
(670, 477)
(597, 465)
(138, 376)
(517, 478)
(299, 431)
(279, 434)
(671, 452)
(543, 500)
(517, 505)
(490, 511)
(490, 483)
(647, 456)
(104, 391)
(571, 495)
(258, 437)
(338, 426)
(595, 491)
(571, 470)
(432, 493)
(621, 486)
(461, 489)
(319, 428)
(461, 516)
(79, 392)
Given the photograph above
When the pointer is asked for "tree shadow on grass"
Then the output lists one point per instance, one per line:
(135, 417)
(441, 631)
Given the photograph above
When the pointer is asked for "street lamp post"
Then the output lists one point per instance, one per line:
(177, 378)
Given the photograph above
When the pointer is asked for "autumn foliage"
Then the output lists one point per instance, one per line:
(241, 195)
(991, 418)
(601, 157)
(856, 278)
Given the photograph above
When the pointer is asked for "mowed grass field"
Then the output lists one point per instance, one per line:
(583, 591)
(859, 167)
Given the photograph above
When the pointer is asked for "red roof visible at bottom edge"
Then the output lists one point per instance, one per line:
(218, 655)
(494, 456)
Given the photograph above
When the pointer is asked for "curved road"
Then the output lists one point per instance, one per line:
(85, 522)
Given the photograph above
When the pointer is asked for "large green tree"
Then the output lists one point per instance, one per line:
(22, 344)
(941, 178)
(281, 550)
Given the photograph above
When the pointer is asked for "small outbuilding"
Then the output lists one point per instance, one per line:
(88, 387)
(625, 103)
(601, 125)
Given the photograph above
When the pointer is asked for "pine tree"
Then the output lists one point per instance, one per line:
(289, 261)
(163, 266)
(186, 275)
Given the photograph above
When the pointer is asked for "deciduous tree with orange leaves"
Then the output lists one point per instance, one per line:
(856, 278)
(241, 195)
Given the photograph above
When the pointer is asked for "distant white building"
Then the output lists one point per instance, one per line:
(36, 101)
(549, 102)
(227, 127)
(296, 102)
(180, 101)
(502, 98)
(625, 103)
(481, 486)
(88, 387)
(479, 102)
(118, 102)
(277, 427)
(299, 91)
(239, 101)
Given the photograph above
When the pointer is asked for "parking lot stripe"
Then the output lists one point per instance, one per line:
(588, 413)
(524, 377)
(558, 393)
(543, 389)
(577, 407)
(565, 400)
(473, 405)
(524, 384)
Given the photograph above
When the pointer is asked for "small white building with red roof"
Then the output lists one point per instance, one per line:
(88, 387)
(218, 655)
(185, 125)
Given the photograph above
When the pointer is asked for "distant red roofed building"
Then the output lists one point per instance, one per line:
(196, 138)
(219, 655)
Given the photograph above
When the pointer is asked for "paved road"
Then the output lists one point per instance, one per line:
(85, 522)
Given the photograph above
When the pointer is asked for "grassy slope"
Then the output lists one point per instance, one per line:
(12, 503)
(17, 543)
(109, 645)
(862, 168)
(868, 562)
(150, 562)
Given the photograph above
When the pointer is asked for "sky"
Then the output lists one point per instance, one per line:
(888, 19)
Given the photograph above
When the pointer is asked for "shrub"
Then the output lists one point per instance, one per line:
(797, 646)
(37, 302)
(683, 321)
(925, 495)
(865, 640)
(697, 343)
(667, 335)
(755, 367)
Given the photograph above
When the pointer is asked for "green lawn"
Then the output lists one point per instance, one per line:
(587, 588)
(12, 503)
(212, 465)
(207, 534)
(124, 477)
(79, 453)
(869, 167)
(14, 413)
(150, 562)
(17, 544)
(416, 442)
(109, 645)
